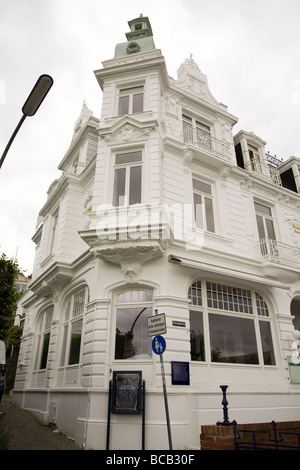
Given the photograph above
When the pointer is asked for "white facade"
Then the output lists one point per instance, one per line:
(160, 208)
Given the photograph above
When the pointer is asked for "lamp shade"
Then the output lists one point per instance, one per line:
(37, 95)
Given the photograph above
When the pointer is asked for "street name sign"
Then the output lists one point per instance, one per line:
(157, 325)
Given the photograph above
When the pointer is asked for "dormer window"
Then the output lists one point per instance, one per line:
(131, 100)
(254, 158)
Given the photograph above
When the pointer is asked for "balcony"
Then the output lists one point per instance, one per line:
(267, 169)
(280, 260)
(205, 142)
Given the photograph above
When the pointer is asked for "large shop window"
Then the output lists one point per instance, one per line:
(132, 341)
(72, 329)
(43, 339)
(127, 179)
(239, 326)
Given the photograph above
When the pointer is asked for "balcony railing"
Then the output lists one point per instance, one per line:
(280, 253)
(267, 169)
(204, 141)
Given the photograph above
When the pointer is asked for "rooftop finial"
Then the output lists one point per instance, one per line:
(192, 63)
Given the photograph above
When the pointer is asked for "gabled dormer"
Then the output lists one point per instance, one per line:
(200, 121)
(251, 156)
(83, 146)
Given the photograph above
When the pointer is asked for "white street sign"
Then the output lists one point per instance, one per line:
(157, 325)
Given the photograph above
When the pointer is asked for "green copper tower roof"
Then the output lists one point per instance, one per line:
(139, 38)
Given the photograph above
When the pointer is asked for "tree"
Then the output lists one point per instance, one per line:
(9, 294)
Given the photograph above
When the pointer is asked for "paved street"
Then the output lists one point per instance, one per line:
(27, 433)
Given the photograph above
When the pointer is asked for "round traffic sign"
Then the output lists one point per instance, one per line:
(158, 345)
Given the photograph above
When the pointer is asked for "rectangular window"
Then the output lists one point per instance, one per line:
(254, 158)
(197, 336)
(232, 339)
(267, 343)
(72, 330)
(128, 179)
(75, 342)
(266, 231)
(132, 340)
(225, 297)
(53, 232)
(203, 206)
(45, 349)
(187, 125)
(196, 132)
(131, 100)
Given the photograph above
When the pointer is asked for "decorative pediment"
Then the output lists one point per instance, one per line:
(127, 130)
(192, 80)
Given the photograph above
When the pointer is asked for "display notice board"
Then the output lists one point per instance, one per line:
(126, 395)
(180, 373)
(127, 392)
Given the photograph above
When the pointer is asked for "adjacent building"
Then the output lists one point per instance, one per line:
(162, 208)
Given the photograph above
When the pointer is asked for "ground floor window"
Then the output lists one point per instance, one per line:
(43, 339)
(133, 307)
(72, 328)
(238, 325)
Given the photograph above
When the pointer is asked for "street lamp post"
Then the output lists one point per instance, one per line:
(31, 106)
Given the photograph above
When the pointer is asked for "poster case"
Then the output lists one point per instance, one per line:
(127, 392)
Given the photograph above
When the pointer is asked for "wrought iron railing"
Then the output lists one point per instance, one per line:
(204, 141)
(267, 439)
(278, 252)
(264, 169)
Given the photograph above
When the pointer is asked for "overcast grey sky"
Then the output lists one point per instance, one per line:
(249, 50)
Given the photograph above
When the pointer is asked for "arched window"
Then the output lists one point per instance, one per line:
(295, 311)
(72, 329)
(133, 307)
(43, 339)
(239, 328)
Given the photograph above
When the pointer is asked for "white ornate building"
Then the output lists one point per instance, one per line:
(160, 207)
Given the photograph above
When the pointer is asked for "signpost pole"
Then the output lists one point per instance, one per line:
(166, 400)
(159, 350)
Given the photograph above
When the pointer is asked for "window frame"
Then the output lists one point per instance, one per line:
(126, 169)
(131, 92)
(139, 305)
(74, 314)
(43, 339)
(257, 311)
(53, 231)
(203, 220)
(196, 131)
(265, 217)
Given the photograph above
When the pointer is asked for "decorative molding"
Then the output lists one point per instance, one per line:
(128, 131)
(191, 63)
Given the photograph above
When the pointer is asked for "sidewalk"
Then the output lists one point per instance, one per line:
(27, 433)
